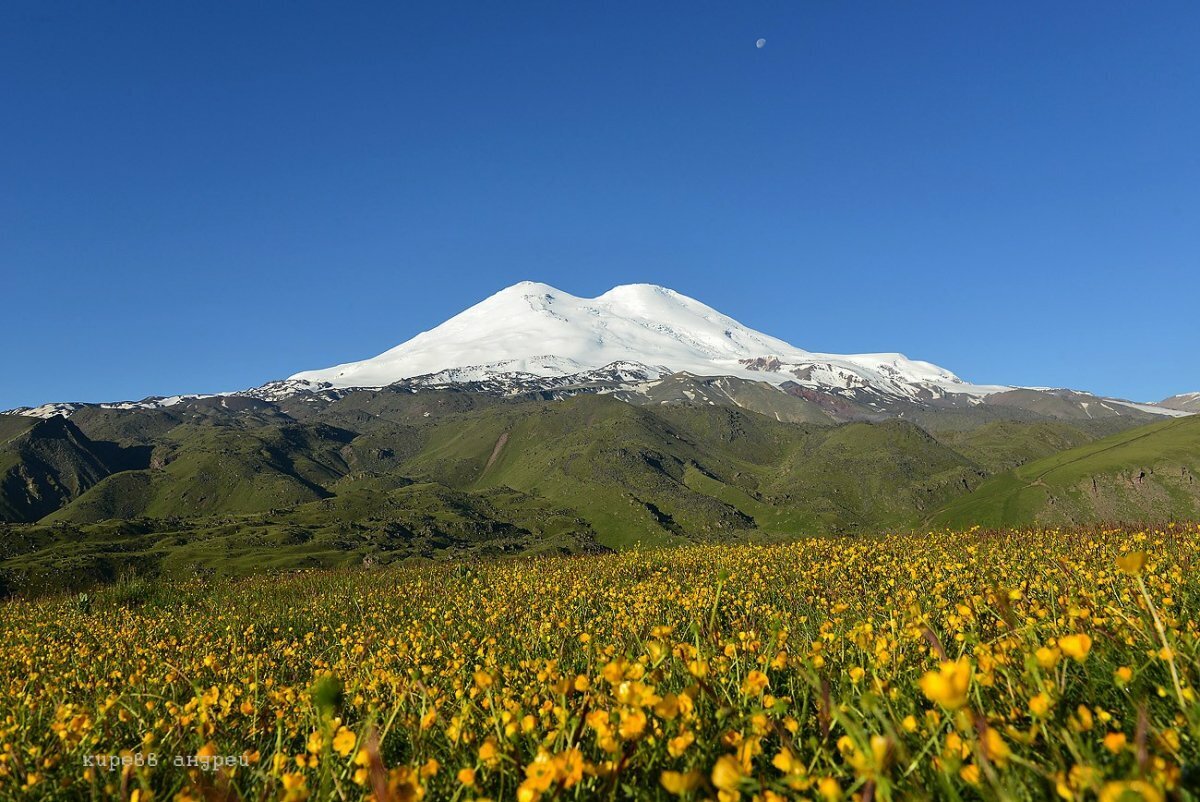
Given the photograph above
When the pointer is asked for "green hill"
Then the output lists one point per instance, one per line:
(399, 473)
(654, 475)
(372, 521)
(1003, 445)
(46, 463)
(202, 470)
(1144, 474)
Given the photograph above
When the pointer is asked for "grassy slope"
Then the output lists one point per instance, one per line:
(217, 469)
(13, 425)
(659, 474)
(871, 476)
(609, 461)
(392, 474)
(1148, 473)
(370, 521)
(1003, 445)
(44, 464)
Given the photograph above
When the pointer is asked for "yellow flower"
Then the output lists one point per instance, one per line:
(489, 753)
(786, 762)
(881, 751)
(754, 684)
(295, 787)
(344, 741)
(679, 744)
(1115, 742)
(1040, 705)
(1132, 563)
(678, 783)
(1047, 658)
(829, 789)
(997, 750)
(633, 722)
(539, 775)
(569, 766)
(948, 685)
(727, 773)
(668, 707)
(955, 747)
(614, 671)
(481, 667)
(1131, 791)
(1083, 720)
(1076, 646)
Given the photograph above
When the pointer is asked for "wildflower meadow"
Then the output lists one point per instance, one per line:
(1007, 665)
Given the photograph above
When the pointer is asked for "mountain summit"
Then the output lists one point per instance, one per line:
(651, 345)
(534, 329)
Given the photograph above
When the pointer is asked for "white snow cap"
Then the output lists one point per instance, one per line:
(537, 329)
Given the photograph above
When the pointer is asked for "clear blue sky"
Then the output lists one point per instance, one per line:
(206, 195)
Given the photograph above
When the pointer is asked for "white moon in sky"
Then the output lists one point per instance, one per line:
(759, 44)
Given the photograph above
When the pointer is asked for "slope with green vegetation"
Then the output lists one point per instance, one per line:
(1003, 445)
(47, 463)
(372, 521)
(201, 470)
(232, 484)
(1144, 474)
(655, 475)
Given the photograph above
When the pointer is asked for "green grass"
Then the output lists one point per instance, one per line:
(392, 475)
(1148, 473)
(1003, 445)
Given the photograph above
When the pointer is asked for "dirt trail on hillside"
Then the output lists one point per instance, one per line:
(496, 451)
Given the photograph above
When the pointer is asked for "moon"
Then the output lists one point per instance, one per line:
(760, 43)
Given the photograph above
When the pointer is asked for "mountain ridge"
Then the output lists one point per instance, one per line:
(1184, 402)
(367, 477)
(634, 341)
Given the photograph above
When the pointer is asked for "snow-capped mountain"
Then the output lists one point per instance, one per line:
(649, 344)
(532, 329)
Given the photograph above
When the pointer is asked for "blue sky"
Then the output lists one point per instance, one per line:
(203, 196)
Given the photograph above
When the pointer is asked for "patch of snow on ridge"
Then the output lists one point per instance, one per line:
(501, 378)
(1153, 408)
(285, 388)
(45, 411)
(155, 402)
